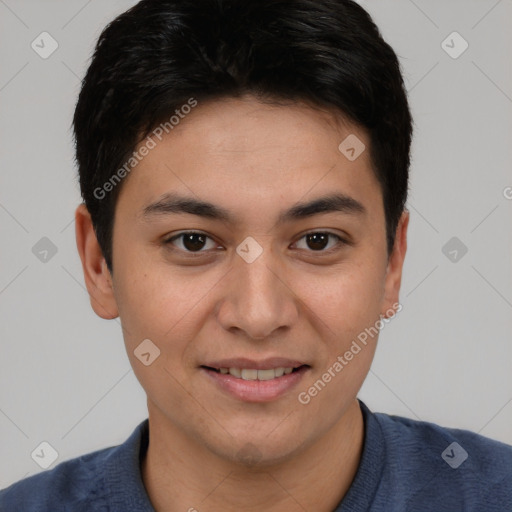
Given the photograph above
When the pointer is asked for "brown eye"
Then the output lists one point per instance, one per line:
(318, 241)
(190, 241)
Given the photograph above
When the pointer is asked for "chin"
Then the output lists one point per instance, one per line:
(259, 451)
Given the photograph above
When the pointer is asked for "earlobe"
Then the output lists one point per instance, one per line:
(393, 277)
(97, 277)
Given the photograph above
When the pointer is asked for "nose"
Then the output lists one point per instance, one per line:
(257, 299)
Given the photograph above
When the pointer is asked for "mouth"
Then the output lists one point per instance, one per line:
(254, 373)
(253, 381)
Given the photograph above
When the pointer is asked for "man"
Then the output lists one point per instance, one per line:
(244, 169)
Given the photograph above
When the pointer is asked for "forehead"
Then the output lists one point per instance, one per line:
(249, 154)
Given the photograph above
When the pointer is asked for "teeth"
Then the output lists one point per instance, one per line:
(236, 372)
(266, 374)
(279, 372)
(249, 374)
(253, 374)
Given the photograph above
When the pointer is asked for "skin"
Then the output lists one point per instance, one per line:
(209, 450)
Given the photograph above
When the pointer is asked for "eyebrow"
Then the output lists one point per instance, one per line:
(172, 203)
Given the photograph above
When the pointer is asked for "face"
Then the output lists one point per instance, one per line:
(246, 245)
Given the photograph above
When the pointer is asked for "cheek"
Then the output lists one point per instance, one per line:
(154, 307)
(349, 304)
(168, 306)
(148, 302)
(347, 300)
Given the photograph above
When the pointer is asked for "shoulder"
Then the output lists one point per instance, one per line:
(454, 467)
(99, 481)
(75, 484)
(405, 434)
(107, 479)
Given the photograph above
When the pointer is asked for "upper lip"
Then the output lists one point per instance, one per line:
(264, 364)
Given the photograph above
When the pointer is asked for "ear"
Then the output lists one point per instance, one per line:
(395, 265)
(96, 274)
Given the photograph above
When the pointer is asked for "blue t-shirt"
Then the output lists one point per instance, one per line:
(406, 465)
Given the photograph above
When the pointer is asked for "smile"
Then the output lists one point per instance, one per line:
(253, 373)
(256, 384)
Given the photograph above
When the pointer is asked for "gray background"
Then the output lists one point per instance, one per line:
(64, 374)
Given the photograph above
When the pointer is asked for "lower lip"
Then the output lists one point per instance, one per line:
(256, 390)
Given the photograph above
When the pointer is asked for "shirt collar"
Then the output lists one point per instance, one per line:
(126, 491)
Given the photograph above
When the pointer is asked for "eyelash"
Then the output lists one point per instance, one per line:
(340, 242)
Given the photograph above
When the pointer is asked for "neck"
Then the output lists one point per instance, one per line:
(181, 474)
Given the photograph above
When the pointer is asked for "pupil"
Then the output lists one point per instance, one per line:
(190, 241)
(317, 241)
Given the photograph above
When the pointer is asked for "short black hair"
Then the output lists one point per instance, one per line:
(160, 55)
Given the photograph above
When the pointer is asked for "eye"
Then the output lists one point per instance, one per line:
(191, 241)
(197, 242)
(318, 241)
